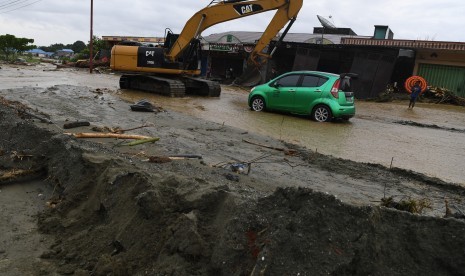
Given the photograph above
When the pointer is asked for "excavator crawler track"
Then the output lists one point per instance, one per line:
(202, 87)
(171, 87)
(158, 85)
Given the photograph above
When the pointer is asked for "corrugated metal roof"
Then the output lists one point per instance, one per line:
(252, 37)
(36, 51)
(241, 37)
(134, 38)
(417, 44)
(310, 38)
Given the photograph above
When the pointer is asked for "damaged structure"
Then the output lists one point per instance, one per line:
(379, 60)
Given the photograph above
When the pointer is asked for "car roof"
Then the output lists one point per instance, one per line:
(313, 72)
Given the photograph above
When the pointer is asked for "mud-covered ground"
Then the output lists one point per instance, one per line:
(95, 207)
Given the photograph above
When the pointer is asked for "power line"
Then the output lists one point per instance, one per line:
(11, 3)
(3, 2)
(21, 7)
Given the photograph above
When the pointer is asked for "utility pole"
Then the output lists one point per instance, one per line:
(91, 46)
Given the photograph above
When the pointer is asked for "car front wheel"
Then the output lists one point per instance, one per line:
(321, 113)
(258, 104)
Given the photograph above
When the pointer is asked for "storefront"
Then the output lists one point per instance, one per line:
(226, 54)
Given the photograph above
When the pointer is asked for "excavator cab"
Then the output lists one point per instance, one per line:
(189, 59)
(170, 40)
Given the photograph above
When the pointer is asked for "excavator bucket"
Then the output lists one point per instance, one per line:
(250, 77)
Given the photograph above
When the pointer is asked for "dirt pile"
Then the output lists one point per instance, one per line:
(111, 214)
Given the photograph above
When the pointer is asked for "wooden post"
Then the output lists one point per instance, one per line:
(91, 54)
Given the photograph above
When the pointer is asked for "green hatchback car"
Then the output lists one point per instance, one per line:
(322, 95)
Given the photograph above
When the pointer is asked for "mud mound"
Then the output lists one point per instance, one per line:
(114, 216)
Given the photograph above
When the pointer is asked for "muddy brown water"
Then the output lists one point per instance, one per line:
(374, 135)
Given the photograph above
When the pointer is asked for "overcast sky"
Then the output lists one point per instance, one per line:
(66, 21)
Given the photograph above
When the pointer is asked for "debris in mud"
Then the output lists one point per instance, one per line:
(200, 107)
(445, 95)
(108, 135)
(449, 214)
(145, 106)
(221, 128)
(21, 109)
(286, 151)
(232, 177)
(410, 205)
(19, 155)
(159, 159)
(107, 129)
(53, 203)
(21, 61)
(185, 156)
(42, 119)
(241, 168)
(75, 124)
(118, 248)
(19, 175)
(142, 105)
(141, 141)
(117, 129)
(169, 158)
(411, 123)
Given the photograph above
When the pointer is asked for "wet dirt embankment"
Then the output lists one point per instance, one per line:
(113, 214)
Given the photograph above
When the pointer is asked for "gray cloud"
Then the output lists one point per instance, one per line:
(65, 21)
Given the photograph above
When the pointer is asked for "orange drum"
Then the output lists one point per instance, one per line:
(410, 82)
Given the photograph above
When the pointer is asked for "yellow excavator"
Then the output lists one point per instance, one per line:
(174, 68)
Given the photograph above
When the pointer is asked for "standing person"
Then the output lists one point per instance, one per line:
(416, 90)
(274, 72)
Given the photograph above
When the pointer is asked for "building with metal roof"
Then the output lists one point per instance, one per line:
(378, 59)
(39, 53)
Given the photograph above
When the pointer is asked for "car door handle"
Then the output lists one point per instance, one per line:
(317, 90)
(291, 90)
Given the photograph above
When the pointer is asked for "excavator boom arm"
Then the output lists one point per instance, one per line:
(229, 10)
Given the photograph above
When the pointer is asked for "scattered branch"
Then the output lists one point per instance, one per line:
(142, 141)
(286, 151)
(108, 135)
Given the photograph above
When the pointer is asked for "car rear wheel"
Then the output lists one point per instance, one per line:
(258, 104)
(322, 113)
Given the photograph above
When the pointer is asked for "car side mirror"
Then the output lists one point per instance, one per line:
(274, 84)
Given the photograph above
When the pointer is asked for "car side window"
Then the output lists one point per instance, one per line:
(313, 81)
(288, 81)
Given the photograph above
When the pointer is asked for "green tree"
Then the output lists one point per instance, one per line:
(98, 45)
(10, 45)
(53, 47)
(78, 46)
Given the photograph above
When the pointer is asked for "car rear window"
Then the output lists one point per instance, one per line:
(313, 81)
(345, 84)
(289, 81)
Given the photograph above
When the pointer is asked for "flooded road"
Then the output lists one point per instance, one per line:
(377, 134)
